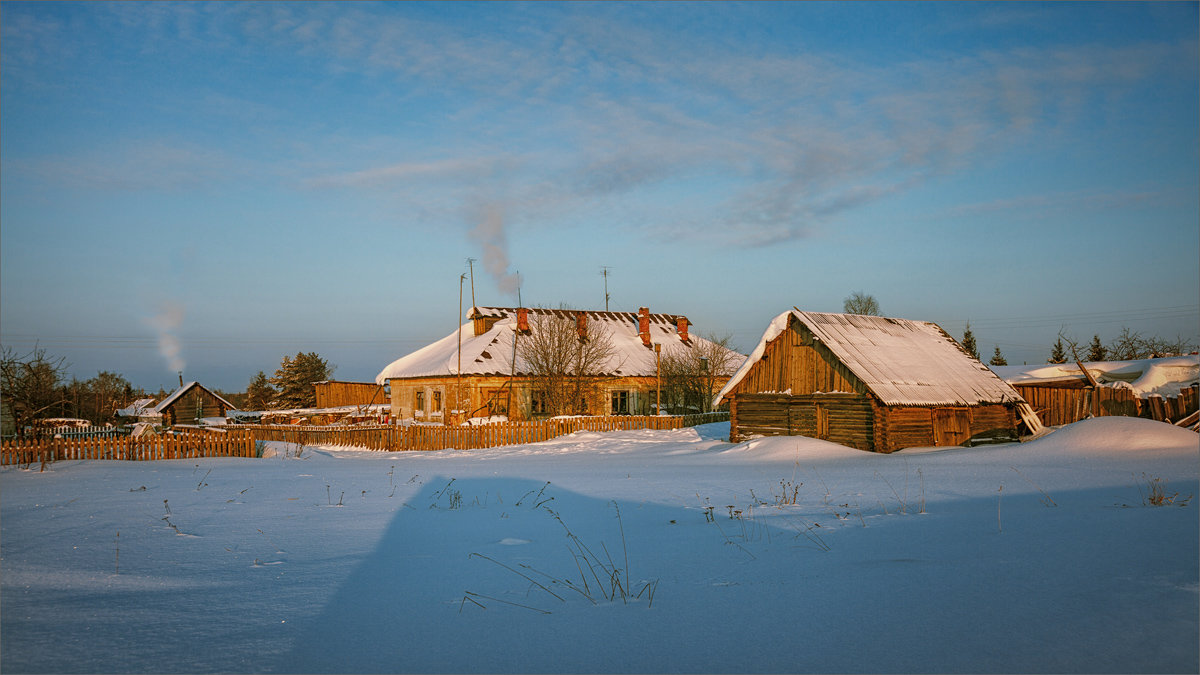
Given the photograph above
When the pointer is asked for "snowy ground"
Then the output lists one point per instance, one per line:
(1038, 557)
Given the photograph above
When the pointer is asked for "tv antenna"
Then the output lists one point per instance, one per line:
(471, 264)
(604, 272)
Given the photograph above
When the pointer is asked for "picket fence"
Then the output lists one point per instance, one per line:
(143, 448)
(393, 438)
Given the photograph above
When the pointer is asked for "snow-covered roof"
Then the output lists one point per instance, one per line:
(491, 353)
(902, 362)
(1145, 377)
(142, 406)
(179, 393)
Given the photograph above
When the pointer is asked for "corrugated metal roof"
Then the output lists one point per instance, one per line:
(902, 362)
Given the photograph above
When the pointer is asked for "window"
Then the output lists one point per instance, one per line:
(537, 402)
(437, 402)
(419, 403)
(620, 403)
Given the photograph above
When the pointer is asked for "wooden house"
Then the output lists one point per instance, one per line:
(478, 371)
(869, 382)
(191, 403)
(1163, 389)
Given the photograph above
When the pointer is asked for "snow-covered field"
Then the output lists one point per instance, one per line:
(1036, 557)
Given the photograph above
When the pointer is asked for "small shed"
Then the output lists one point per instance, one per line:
(191, 403)
(869, 382)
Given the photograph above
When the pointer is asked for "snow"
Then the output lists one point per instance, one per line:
(902, 362)
(1033, 557)
(1145, 377)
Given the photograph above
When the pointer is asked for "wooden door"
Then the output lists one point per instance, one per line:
(951, 426)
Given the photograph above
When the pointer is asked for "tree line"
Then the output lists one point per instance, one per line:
(34, 385)
(1130, 345)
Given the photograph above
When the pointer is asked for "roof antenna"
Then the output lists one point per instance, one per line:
(604, 273)
(471, 262)
(518, 275)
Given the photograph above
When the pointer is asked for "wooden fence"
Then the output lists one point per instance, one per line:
(142, 448)
(1058, 405)
(243, 440)
(432, 437)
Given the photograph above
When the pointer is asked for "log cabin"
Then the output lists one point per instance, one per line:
(479, 371)
(191, 403)
(869, 382)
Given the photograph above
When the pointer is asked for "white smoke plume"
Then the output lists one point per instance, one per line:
(165, 324)
(490, 235)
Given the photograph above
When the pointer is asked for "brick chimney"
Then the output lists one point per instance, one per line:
(523, 320)
(681, 325)
(581, 324)
(644, 325)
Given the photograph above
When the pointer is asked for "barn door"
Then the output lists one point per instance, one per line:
(822, 422)
(951, 426)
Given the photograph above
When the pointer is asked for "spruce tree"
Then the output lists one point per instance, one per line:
(1059, 353)
(1096, 351)
(968, 342)
(998, 358)
(295, 377)
(259, 393)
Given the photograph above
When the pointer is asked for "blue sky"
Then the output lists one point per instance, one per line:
(209, 187)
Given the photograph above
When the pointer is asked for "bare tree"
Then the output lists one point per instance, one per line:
(30, 384)
(690, 375)
(564, 359)
(861, 303)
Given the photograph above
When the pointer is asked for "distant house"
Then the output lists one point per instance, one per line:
(141, 410)
(191, 403)
(1164, 389)
(869, 382)
(495, 380)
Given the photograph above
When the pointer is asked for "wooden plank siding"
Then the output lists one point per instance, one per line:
(334, 394)
(796, 364)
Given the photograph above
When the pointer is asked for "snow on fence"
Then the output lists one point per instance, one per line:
(184, 446)
(432, 437)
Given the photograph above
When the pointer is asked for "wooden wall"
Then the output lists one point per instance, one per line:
(847, 419)
(795, 363)
(861, 422)
(336, 394)
(910, 427)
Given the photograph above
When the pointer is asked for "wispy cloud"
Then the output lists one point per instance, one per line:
(576, 106)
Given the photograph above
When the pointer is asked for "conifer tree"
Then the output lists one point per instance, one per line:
(1059, 353)
(295, 377)
(998, 358)
(259, 393)
(1096, 351)
(968, 342)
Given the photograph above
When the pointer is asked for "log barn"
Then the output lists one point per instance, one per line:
(869, 382)
(495, 380)
(191, 403)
